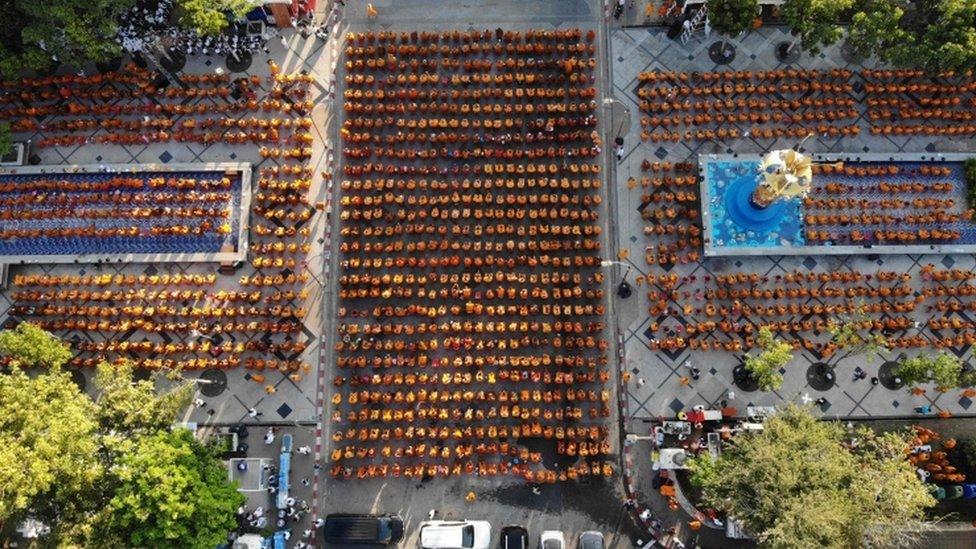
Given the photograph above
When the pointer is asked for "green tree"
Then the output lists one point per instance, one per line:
(935, 35)
(172, 493)
(129, 407)
(6, 139)
(212, 16)
(31, 347)
(846, 334)
(943, 369)
(802, 482)
(874, 26)
(815, 21)
(76, 31)
(732, 17)
(765, 366)
(48, 442)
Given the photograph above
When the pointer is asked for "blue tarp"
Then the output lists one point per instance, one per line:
(284, 468)
(279, 540)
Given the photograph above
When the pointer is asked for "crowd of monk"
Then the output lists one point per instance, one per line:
(470, 243)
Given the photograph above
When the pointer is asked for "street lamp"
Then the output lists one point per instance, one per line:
(624, 289)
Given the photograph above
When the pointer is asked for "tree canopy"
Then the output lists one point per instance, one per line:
(815, 21)
(48, 441)
(172, 493)
(945, 370)
(765, 366)
(28, 346)
(802, 482)
(75, 31)
(731, 17)
(94, 469)
(936, 35)
(209, 17)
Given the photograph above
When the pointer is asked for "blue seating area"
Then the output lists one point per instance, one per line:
(210, 242)
(284, 470)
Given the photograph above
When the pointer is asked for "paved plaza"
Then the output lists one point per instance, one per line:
(655, 388)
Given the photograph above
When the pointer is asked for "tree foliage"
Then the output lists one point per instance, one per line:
(6, 139)
(209, 17)
(874, 25)
(31, 347)
(802, 482)
(765, 366)
(846, 334)
(731, 17)
(815, 21)
(936, 35)
(945, 370)
(48, 444)
(130, 407)
(172, 493)
(94, 470)
(76, 31)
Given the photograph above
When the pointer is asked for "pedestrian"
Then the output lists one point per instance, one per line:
(821, 401)
(317, 466)
(320, 521)
(272, 489)
(371, 11)
(858, 371)
(640, 382)
(695, 373)
(630, 503)
(431, 514)
(730, 395)
(619, 152)
(875, 381)
(645, 514)
(304, 450)
(927, 409)
(306, 481)
(252, 412)
(199, 403)
(306, 534)
(270, 389)
(269, 437)
(684, 381)
(290, 502)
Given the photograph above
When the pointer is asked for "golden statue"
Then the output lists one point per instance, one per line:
(785, 173)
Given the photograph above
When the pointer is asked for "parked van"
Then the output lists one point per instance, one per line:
(350, 529)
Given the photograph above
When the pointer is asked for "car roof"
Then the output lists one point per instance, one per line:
(515, 536)
(591, 540)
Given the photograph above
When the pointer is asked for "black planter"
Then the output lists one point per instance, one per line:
(887, 376)
(216, 382)
(849, 54)
(109, 65)
(821, 376)
(141, 374)
(79, 378)
(173, 61)
(743, 379)
(721, 52)
(624, 290)
(786, 54)
(241, 63)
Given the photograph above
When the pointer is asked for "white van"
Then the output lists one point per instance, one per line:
(455, 534)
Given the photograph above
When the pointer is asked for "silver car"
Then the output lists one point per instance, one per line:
(591, 540)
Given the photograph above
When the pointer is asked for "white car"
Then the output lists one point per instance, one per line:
(552, 539)
(455, 534)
